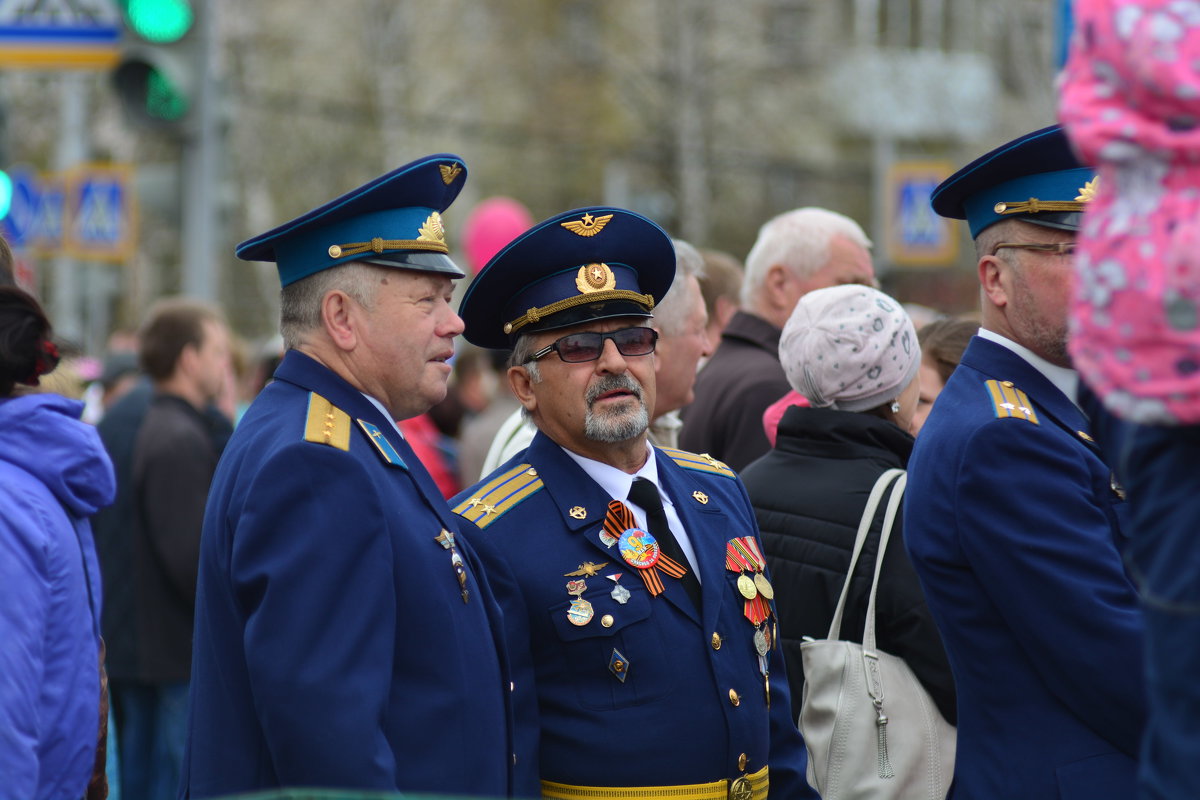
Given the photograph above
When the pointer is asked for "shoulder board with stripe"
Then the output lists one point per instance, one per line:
(702, 463)
(499, 494)
(1009, 401)
(326, 424)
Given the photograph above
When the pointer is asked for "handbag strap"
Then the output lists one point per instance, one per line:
(864, 526)
(889, 520)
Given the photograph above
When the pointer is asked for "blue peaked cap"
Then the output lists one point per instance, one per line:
(393, 221)
(1035, 178)
(591, 263)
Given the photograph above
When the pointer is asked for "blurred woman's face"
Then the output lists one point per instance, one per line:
(931, 387)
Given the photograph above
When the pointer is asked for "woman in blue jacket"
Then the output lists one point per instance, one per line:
(54, 473)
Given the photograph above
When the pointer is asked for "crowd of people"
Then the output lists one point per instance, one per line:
(570, 539)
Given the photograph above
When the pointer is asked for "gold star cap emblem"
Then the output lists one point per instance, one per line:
(587, 225)
(595, 278)
(1087, 192)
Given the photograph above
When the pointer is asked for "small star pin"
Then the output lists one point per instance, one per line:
(489, 509)
(474, 501)
(1009, 406)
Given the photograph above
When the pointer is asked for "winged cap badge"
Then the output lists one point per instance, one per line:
(587, 225)
(1087, 192)
(450, 172)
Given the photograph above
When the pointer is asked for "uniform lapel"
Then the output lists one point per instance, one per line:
(582, 505)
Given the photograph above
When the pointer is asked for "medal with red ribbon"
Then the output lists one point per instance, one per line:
(743, 556)
(639, 548)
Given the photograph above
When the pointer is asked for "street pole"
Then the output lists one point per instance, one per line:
(71, 150)
(200, 169)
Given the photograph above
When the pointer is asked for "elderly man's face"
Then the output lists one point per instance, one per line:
(591, 406)
(407, 341)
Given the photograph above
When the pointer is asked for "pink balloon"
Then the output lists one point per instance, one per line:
(491, 225)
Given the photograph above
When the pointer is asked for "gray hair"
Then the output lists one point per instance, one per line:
(300, 302)
(521, 352)
(670, 315)
(798, 239)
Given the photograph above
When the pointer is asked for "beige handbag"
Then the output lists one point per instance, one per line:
(871, 729)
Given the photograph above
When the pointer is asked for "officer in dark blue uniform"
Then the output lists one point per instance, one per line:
(1013, 520)
(344, 634)
(636, 602)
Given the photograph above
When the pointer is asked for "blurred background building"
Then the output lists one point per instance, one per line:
(708, 116)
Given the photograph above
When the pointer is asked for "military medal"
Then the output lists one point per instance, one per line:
(446, 540)
(764, 586)
(743, 557)
(746, 587)
(639, 548)
(761, 645)
(580, 613)
(619, 592)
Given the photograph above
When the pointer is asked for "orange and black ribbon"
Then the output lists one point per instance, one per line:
(620, 519)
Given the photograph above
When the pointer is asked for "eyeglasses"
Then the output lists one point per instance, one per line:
(1058, 248)
(576, 348)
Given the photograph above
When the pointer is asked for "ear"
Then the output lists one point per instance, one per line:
(522, 386)
(993, 279)
(339, 318)
(777, 279)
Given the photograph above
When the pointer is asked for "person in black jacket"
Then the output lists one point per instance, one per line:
(853, 353)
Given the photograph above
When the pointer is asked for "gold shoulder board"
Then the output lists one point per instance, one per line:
(1009, 401)
(702, 462)
(326, 424)
(499, 494)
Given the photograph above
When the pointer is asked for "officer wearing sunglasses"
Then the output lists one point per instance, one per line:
(639, 668)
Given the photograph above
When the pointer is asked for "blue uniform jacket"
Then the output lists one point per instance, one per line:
(1014, 527)
(333, 646)
(693, 701)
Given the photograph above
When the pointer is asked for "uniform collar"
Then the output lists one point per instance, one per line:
(612, 480)
(1065, 380)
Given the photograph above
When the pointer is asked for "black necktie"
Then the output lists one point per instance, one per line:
(645, 494)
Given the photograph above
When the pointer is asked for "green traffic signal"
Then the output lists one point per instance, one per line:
(159, 21)
(6, 193)
(164, 100)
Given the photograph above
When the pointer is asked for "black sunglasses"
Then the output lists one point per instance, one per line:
(575, 348)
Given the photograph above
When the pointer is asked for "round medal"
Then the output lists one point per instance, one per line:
(760, 642)
(580, 613)
(764, 586)
(639, 548)
(746, 587)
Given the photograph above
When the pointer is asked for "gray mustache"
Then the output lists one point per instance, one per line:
(611, 383)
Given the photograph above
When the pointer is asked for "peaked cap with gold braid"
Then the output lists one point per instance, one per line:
(587, 264)
(1035, 178)
(393, 221)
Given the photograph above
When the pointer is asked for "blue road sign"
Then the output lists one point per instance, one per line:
(100, 218)
(917, 235)
(19, 225)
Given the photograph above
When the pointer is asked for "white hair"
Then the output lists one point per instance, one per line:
(799, 240)
(670, 314)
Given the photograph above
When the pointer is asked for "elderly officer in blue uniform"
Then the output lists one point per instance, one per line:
(1012, 518)
(344, 635)
(632, 580)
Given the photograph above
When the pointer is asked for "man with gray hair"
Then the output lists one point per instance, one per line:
(795, 253)
(681, 321)
(345, 637)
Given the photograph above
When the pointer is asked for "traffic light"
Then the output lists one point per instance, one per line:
(156, 74)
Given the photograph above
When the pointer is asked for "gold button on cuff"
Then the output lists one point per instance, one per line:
(606, 620)
(716, 641)
(734, 697)
(742, 761)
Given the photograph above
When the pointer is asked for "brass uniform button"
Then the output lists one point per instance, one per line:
(606, 620)
(716, 641)
(335, 251)
(734, 697)
(1006, 384)
(742, 759)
